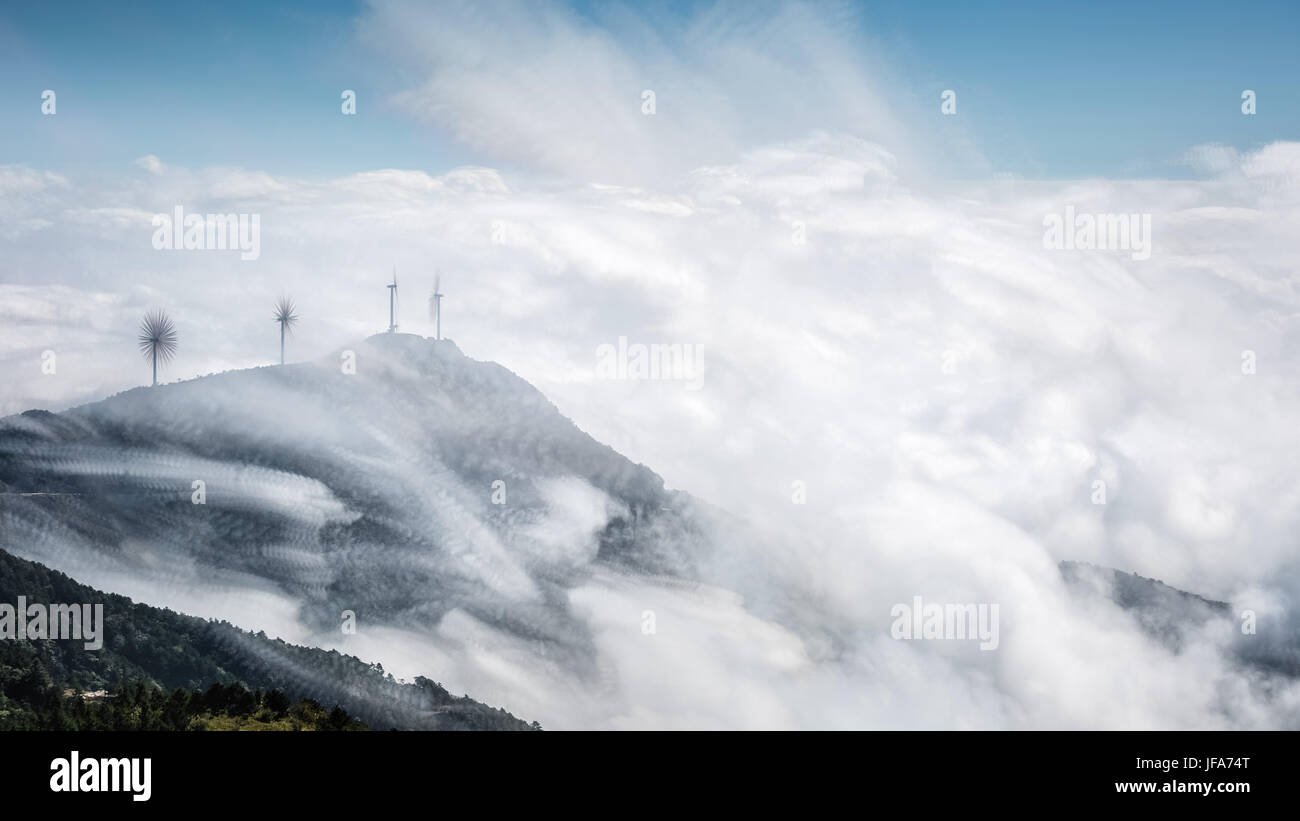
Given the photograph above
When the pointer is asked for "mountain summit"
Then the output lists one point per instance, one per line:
(398, 480)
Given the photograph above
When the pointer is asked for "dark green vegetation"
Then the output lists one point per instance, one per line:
(141, 706)
(151, 652)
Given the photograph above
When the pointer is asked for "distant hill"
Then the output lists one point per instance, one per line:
(1164, 612)
(171, 650)
(1169, 614)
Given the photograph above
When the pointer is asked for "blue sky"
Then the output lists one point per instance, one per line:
(1044, 90)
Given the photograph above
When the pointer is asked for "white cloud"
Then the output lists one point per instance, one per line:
(151, 164)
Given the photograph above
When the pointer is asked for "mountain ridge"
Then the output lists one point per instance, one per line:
(420, 483)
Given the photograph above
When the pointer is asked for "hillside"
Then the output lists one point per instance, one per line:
(150, 645)
(1164, 612)
(1170, 615)
(415, 484)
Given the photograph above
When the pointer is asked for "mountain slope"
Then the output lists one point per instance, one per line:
(143, 643)
(1165, 613)
(1170, 616)
(416, 484)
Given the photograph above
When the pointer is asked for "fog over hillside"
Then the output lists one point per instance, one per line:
(481, 537)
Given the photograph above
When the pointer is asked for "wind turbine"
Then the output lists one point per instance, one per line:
(435, 306)
(392, 301)
(157, 339)
(286, 316)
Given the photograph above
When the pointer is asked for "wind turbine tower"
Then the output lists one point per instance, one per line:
(435, 304)
(392, 303)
